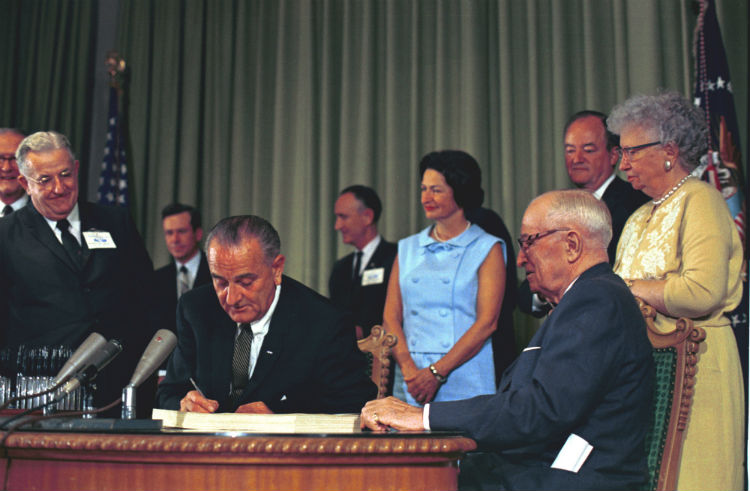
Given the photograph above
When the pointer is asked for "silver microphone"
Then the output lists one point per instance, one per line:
(97, 362)
(80, 357)
(156, 352)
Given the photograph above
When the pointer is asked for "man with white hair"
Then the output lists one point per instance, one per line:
(69, 268)
(573, 411)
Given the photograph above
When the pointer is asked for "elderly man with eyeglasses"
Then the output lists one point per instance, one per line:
(12, 195)
(572, 411)
(69, 268)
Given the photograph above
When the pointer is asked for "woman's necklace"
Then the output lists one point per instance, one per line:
(440, 239)
(661, 200)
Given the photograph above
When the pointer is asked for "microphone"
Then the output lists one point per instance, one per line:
(80, 357)
(156, 352)
(96, 363)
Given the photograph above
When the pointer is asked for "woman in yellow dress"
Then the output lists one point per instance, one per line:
(682, 254)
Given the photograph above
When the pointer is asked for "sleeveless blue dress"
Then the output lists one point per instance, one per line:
(439, 283)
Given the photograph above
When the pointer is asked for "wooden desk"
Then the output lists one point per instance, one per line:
(67, 461)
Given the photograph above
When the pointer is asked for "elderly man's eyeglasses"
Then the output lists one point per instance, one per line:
(526, 241)
(630, 151)
(45, 181)
(7, 157)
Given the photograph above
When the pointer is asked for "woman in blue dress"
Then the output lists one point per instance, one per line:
(446, 289)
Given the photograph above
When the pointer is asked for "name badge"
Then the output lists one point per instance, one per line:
(98, 239)
(374, 276)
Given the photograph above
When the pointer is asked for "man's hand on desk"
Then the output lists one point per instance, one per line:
(196, 403)
(257, 407)
(381, 414)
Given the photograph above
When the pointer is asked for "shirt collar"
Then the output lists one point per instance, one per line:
(461, 240)
(261, 326)
(191, 265)
(600, 190)
(20, 202)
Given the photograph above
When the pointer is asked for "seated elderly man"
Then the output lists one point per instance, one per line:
(258, 341)
(572, 411)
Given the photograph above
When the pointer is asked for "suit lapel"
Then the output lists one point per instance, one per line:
(39, 228)
(281, 320)
(222, 348)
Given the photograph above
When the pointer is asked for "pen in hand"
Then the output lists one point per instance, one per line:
(197, 388)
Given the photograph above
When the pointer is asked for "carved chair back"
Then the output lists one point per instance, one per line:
(378, 346)
(675, 359)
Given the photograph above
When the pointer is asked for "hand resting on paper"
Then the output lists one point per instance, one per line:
(258, 407)
(196, 403)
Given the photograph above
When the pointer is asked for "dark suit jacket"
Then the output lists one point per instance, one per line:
(504, 338)
(309, 360)
(366, 303)
(588, 371)
(621, 200)
(46, 300)
(165, 290)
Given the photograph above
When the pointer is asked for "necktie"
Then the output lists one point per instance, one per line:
(71, 245)
(7, 210)
(183, 281)
(241, 362)
(357, 264)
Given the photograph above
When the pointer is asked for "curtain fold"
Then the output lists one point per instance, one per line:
(47, 76)
(271, 106)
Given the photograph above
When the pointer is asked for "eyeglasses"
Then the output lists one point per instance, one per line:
(630, 151)
(529, 240)
(9, 157)
(45, 181)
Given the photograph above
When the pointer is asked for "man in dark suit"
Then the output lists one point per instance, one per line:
(258, 341)
(68, 269)
(188, 268)
(573, 410)
(590, 159)
(359, 281)
(12, 195)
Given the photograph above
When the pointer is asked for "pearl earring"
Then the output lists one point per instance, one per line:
(667, 165)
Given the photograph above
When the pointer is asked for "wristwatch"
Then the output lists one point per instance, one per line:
(437, 375)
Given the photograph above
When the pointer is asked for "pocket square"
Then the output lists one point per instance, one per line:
(532, 348)
(283, 398)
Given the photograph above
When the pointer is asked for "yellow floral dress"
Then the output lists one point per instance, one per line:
(690, 241)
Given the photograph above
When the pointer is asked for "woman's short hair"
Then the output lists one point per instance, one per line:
(670, 117)
(462, 173)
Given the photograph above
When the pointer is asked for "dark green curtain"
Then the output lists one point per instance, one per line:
(47, 60)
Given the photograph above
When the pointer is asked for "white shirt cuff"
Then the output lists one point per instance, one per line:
(426, 416)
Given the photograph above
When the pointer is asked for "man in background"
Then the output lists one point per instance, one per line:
(70, 268)
(12, 195)
(188, 268)
(359, 280)
(590, 159)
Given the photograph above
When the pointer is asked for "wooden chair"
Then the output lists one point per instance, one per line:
(675, 360)
(378, 346)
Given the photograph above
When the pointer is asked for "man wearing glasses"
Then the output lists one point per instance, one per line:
(12, 195)
(573, 410)
(591, 153)
(68, 269)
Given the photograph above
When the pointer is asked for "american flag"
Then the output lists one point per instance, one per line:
(722, 166)
(113, 183)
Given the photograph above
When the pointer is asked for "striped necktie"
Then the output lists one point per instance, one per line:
(241, 362)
